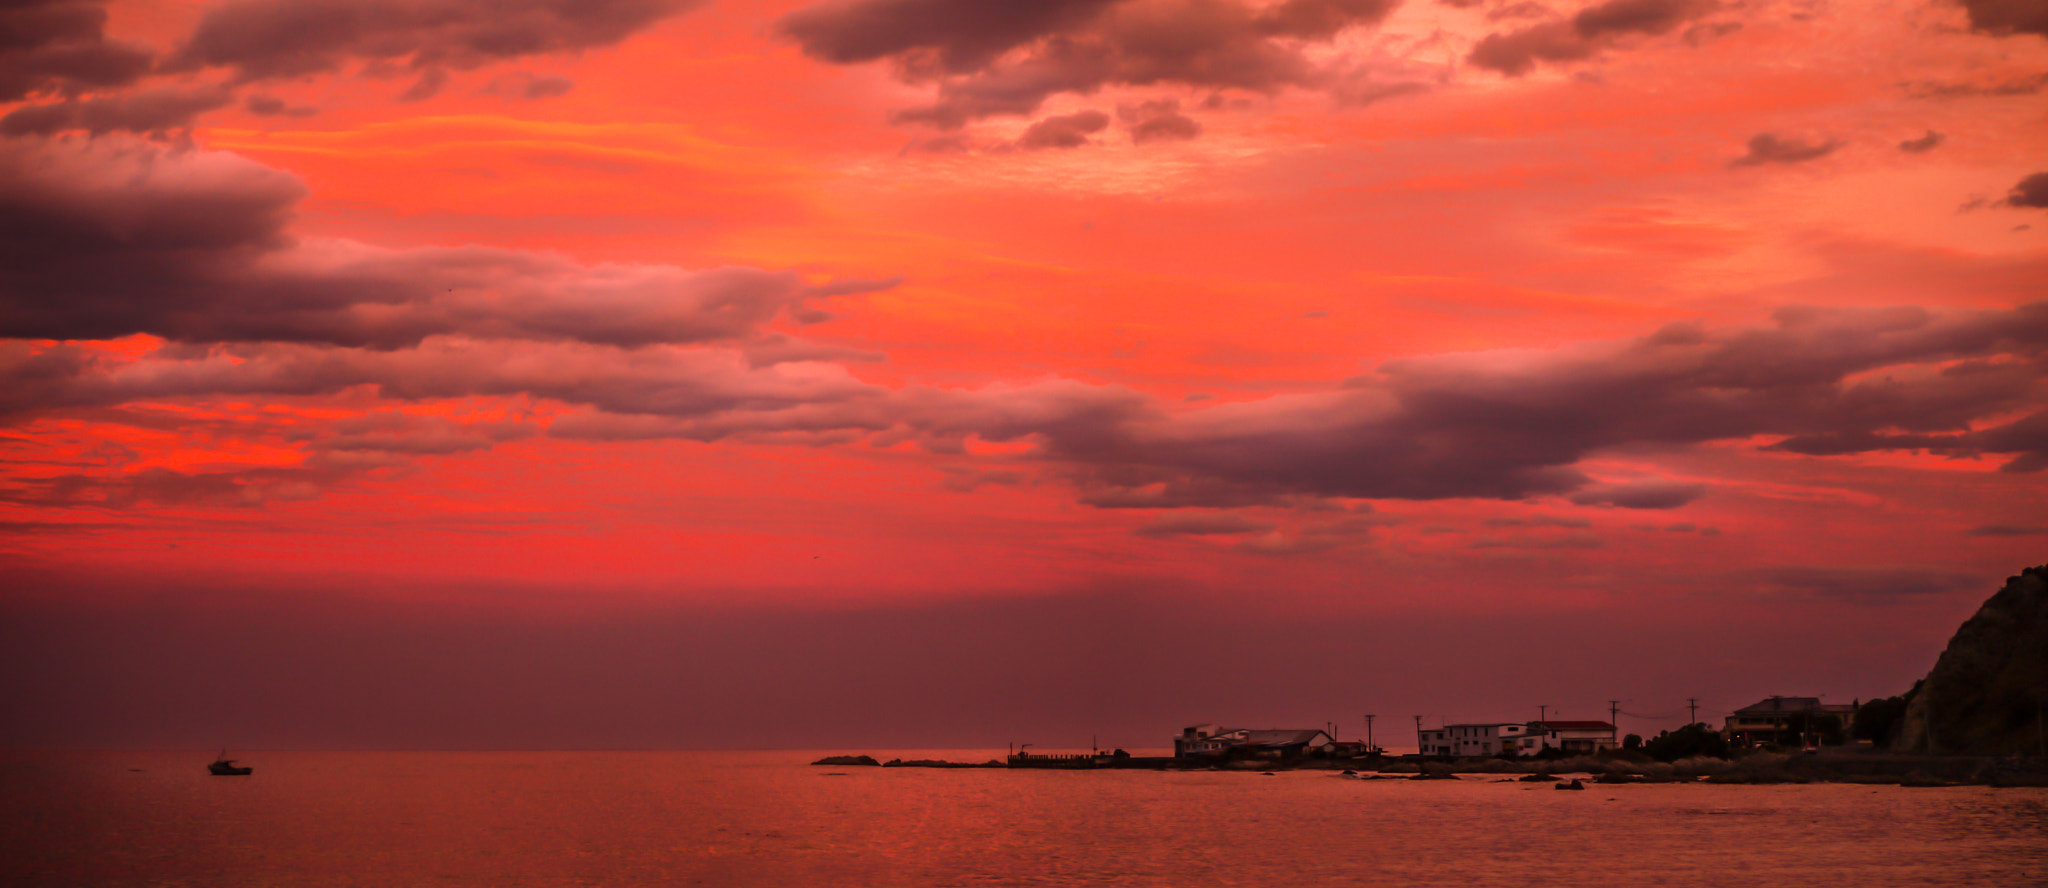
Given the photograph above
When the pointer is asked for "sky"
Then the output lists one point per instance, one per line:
(957, 373)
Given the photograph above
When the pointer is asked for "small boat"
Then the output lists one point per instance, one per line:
(225, 767)
(1575, 784)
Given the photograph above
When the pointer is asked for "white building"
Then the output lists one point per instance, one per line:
(1574, 736)
(1482, 739)
(1434, 742)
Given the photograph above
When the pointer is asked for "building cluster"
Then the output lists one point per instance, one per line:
(1518, 738)
(1790, 721)
(1212, 741)
(1783, 721)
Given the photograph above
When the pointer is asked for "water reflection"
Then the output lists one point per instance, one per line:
(768, 819)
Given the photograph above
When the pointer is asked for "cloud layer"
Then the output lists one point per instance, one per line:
(1585, 34)
(1007, 58)
(58, 49)
(60, 46)
(113, 238)
(275, 39)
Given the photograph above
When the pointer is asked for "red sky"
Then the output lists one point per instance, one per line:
(882, 371)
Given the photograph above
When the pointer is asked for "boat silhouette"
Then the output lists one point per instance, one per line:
(225, 767)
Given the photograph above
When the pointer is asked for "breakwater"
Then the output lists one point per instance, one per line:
(1759, 768)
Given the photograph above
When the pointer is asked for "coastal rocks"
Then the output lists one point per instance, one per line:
(1987, 693)
(843, 760)
(1435, 771)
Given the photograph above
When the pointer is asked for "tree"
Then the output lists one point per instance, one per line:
(1829, 729)
(1878, 720)
(1686, 742)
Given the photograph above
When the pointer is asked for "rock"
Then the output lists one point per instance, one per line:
(842, 760)
(1987, 693)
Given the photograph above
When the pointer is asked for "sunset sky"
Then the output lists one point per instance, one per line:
(654, 373)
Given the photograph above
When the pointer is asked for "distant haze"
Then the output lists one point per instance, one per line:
(265, 668)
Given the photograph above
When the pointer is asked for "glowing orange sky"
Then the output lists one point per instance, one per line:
(1406, 256)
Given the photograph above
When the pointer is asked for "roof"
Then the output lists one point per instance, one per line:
(1781, 704)
(1572, 725)
(1281, 737)
(1485, 725)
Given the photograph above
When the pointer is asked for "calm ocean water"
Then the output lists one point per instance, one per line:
(768, 818)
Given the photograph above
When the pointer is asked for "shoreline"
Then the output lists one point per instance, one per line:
(1875, 768)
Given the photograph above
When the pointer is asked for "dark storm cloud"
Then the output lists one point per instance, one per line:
(1922, 144)
(60, 46)
(1592, 30)
(273, 39)
(2004, 17)
(144, 111)
(1067, 131)
(1007, 58)
(2031, 191)
(1770, 148)
(112, 237)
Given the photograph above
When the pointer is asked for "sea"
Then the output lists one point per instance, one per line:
(78, 819)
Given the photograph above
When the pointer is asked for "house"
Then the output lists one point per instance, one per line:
(1433, 742)
(1479, 739)
(1578, 737)
(1353, 749)
(1788, 721)
(1203, 741)
(1212, 741)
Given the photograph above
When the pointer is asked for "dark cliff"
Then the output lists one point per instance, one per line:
(1987, 693)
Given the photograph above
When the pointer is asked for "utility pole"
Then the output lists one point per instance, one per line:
(1368, 734)
(1542, 712)
(1692, 705)
(1418, 733)
(1614, 721)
